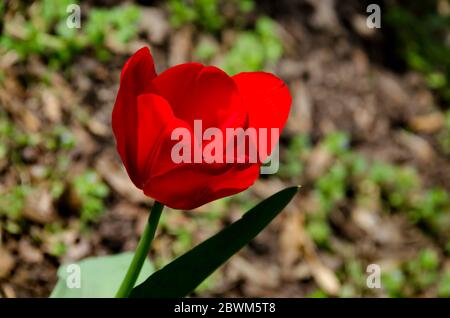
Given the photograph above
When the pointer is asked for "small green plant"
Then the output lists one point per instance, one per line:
(444, 284)
(353, 278)
(329, 191)
(396, 189)
(319, 230)
(207, 14)
(60, 138)
(396, 183)
(13, 140)
(318, 293)
(421, 31)
(181, 13)
(433, 209)
(13, 201)
(58, 249)
(120, 24)
(413, 276)
(91, 192)
(423, 270)
(293, 166)
(255, 49)
(393, 283)
(337, 143)
(41, 30)
(330, 188)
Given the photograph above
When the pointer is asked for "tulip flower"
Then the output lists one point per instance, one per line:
(150, 116)
(150, 107)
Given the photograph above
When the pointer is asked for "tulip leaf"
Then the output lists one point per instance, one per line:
(96, 277)
(184, 274)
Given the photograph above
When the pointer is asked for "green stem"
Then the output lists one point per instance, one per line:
(141, 252)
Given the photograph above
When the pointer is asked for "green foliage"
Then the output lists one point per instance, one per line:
(58, 249)
(205, 50)
(184, 237)
(423, 270)
(318, 293)
(393, 283)
(99, 276)
(13, 143)
(42, 31)
(355, 273)
(353, 278)
(396, 183)
(332, 185)
(254, 50)
(432, 203)
(444, 285)
(395, 188)
(207, 14)
(118, 23)
(421, 32)
(414, 276)
(329, 190)
(13, 140)
(185, 273)
(337, 143)
(444, 135)
(13, 201)
(183, 240)
(293, 167)
(181, 12)
(319, 230)
(60, 138)
(91, 192)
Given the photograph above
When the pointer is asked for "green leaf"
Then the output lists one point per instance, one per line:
(99, 276)
(184, 274)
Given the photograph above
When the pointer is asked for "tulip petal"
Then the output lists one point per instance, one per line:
(136, 79)
(153, 115)
(162, 159)
(202, 92)
(141, 65)
(192, 186)
(268, 101)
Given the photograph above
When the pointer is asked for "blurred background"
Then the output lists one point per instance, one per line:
(368, 139)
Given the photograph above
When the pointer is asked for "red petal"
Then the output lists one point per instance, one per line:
(161, 160)
(191, 186)
(141, 63)
(267, 99)
(136, 79)
(153, 115)
(198, 92)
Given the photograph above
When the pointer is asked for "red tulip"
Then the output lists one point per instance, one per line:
(149, 107)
